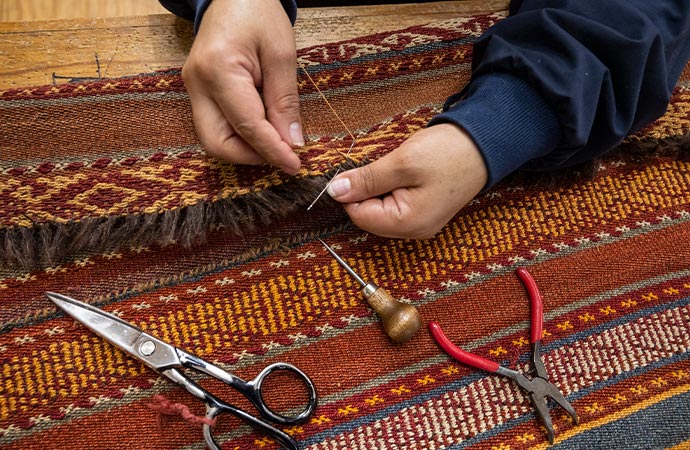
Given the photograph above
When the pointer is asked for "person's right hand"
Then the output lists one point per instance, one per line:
(415, 190)
(241, 45)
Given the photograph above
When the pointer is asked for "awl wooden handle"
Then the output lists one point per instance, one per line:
(400, 320)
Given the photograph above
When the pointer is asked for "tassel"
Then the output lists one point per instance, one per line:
(167, 409)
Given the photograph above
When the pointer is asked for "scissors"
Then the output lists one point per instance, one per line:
(538, 387)
(169, 361)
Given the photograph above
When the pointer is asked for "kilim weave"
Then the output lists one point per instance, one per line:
(105, 192)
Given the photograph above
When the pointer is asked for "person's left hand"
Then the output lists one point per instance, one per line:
(242, 45)
(417, 188)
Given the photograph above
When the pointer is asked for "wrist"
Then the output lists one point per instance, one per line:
(509, 122)
(200, 8)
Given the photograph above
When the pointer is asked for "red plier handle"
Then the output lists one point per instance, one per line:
(536, 305)
(538, 387)
(536, 316)
(461, 355)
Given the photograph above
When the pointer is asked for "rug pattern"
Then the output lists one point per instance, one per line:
(610, 256)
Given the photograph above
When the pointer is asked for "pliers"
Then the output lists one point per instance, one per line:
(538, 387)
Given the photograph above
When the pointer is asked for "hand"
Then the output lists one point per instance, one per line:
(241, 45)
(416, 189)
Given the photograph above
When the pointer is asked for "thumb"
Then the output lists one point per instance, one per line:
(362, 183)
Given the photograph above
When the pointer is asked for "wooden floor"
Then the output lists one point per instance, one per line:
(44, 42)
(27, 10)
(30, 10)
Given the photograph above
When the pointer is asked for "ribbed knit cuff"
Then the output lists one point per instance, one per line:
(200, 7)
(509, 121)
(291, 9)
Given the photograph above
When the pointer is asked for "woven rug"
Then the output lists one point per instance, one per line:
(106, 196)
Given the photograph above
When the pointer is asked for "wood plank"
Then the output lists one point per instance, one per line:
(47, 52)
(24, 10)
(320, 25)
(54, 51)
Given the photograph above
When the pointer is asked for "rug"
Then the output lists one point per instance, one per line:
(105, 196)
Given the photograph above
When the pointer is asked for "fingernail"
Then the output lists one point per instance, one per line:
(339, 187)
(296, 134)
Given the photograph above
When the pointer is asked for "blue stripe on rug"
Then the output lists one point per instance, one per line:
(350, 426)
(661, 425)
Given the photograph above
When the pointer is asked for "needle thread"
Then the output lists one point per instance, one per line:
(325, 188)
(346, 155)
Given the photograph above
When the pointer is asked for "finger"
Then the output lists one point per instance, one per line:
(242, 106)
(216, 135)
(383, 198)
(399, 214)
(281, 96)
(377, 178)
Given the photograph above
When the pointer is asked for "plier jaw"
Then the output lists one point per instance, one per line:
(539, 388)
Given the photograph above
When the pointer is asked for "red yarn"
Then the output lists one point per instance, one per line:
(167, 409)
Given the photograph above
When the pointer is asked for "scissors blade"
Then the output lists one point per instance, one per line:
(131, 339)
(106, 325)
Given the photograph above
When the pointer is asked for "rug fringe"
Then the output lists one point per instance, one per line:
(45, 245)
(632, 149)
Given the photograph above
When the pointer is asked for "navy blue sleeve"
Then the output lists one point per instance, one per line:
(560, 82)
(194, 9)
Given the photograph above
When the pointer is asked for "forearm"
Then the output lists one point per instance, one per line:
(574, 79)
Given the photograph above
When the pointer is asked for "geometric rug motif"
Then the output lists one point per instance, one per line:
(610, 257)
(89, 166)
(89, 163)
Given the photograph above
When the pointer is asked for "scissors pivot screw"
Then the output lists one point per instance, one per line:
(147, 348)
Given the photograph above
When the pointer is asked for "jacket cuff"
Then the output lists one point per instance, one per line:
(195, 9)
(509, 120)
(200, 7)
(290, 7)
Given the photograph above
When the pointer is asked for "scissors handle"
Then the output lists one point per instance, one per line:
(215, 406)
(252, 390)
(255, 387)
